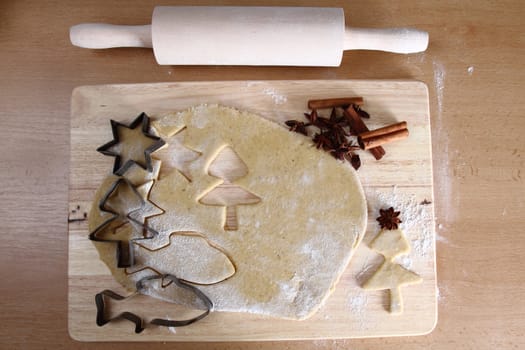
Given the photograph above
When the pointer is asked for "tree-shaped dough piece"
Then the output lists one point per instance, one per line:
(391, 242)
(228, 166)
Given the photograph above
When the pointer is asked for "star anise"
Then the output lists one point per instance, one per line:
(297, 126)
(354, 160)
(322, 140)
(334, 123)
(389, 218)
(345, 151)
(339, 121)
(312, 116)
(362, 113)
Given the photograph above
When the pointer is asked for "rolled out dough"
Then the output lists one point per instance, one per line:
(290, 248)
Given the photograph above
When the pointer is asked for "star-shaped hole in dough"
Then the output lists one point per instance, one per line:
(149, 210)
(138, 176)
(131, 144)
(176, 156)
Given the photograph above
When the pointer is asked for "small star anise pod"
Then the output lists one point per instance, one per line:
(389, 218)
(354, 160)
(323, 141)
(312, 116)
(345, 150)
(339, 121)
(334, 123)
(362, 113)
(297, 126)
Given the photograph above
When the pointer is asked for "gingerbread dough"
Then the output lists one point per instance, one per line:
(291, 247)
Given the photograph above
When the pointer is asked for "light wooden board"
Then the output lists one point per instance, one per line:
(403, 178)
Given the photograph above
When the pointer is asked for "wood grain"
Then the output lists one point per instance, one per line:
(402, 177)
(473, 58)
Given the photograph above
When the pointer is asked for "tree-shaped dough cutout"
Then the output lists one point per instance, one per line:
(391, 242)
(229, 167)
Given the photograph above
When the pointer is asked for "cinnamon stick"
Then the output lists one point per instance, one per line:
(335, 102)
(358, 127)
(372, 142)
(384, 130)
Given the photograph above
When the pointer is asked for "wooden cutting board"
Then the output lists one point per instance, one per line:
(403, 179)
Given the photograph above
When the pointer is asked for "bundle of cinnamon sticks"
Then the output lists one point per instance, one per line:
(373, 139)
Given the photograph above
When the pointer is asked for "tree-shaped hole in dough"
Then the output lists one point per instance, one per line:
(229, 167)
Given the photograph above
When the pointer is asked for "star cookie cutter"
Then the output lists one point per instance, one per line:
(142, 120)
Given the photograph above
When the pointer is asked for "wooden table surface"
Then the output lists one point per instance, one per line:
(475, 72)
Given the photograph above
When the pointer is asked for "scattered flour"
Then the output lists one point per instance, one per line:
(200, 118)
(356, 304)
(405, 261)
(442, 239)
(171, 329)
(422, 246)
(442, 292)
(439, 81)
(443, 172)
(306, 179)
(277, 98)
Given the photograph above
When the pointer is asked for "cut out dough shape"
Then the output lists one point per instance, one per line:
(228, 167)
(175, 156)
(392, 276)
(138, 176)
(140, 217)
(291, 248)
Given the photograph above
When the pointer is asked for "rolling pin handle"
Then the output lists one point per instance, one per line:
(105, 36)
(398, 40)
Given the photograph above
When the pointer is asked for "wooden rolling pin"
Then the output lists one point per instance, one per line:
(255, 36)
